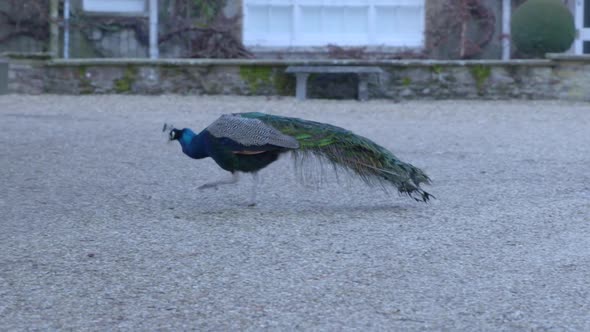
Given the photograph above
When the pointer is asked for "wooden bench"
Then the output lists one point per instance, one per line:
(303, 72)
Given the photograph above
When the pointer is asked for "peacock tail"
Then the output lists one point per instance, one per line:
(345, 150)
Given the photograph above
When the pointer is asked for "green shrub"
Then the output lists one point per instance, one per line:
(542, 26)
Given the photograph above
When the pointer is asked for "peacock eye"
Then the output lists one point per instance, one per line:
(171, 134)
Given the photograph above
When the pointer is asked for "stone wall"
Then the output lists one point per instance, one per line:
(558, 77)
(26, 73)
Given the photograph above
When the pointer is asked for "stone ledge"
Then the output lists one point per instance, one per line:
(568, 57)
(263, 62)
(26, 56)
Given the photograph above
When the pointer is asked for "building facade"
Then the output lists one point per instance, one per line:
(379, 29)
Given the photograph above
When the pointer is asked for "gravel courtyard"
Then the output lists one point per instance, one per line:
(102, 226)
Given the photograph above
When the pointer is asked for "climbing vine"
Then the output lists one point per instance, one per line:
(24, 18)
(203, 26)
(207, 9)
(463, 26)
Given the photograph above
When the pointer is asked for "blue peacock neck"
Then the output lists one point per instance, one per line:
(193, 145)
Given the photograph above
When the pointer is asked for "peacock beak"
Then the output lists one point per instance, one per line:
(167, 130)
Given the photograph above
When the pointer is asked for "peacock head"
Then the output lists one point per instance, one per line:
(183, 136)
(175, 134)
(171, 132)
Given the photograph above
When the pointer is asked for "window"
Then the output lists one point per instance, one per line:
(114, 6)
(582, 13)
(285, 23)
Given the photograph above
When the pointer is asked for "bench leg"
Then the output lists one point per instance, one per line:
(3, 77)
(363, 89)
(301, 89)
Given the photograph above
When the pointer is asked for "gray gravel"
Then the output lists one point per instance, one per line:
(102, 226)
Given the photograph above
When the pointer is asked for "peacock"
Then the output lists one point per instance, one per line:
(249, 142)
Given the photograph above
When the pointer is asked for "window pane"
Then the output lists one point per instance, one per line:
(257, 19)
(126, 6)
(586, 47)
(587, 13)
(400, 25)
(409, 21)
(333, 20)
(281, 19)
(356, 20)
(385, 20)
(311, 20)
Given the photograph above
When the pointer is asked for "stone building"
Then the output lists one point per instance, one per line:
(283, 29)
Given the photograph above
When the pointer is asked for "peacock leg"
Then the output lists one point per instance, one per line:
(234, 179)
(253, 192)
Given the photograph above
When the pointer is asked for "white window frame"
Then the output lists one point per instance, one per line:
(295, 39)
(583, 33)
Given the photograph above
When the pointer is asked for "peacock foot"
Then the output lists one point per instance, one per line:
(208, 185)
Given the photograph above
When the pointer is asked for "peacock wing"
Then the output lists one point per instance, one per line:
(250, 132)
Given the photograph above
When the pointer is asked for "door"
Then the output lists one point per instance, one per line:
(582, 43)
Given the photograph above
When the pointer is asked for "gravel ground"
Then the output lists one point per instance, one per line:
(102, 226)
